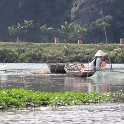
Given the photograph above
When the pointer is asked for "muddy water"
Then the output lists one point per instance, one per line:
(22, 75)
(27, 75)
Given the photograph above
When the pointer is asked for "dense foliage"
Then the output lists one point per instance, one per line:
(11, 52)
(16, 15)
(21, 98)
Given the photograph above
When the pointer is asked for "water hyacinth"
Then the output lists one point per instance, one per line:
(21, 98)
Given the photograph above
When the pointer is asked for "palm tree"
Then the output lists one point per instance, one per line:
(12, 30)
(27, 25)
(46, 30)
(68, 29)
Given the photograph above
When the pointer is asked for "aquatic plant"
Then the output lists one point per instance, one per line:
(21, 98)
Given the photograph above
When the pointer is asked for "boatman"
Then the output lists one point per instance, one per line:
(96, 62)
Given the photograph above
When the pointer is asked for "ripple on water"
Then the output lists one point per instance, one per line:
(95, 114)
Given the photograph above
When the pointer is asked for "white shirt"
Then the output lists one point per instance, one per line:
(98, 64)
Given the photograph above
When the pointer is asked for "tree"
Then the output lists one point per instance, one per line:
(47, 31)
(81, 32)
(12, 30)
(68, 29)
(27, 25)
(73, 30)
(21, 28)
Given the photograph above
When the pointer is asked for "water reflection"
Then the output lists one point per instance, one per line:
(77, 84)
(57, 83)
(24, 77)
(85, 85)
(3, 79)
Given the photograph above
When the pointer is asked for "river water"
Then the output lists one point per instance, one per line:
(30, 77)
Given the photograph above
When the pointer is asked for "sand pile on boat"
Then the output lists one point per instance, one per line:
(43, 72)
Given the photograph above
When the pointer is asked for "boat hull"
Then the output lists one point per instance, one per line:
(79, 73)
(56, 68)
(78, 70)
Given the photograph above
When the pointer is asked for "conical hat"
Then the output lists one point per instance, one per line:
(100, 53)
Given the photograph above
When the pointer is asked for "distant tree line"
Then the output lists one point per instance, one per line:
(68, 31)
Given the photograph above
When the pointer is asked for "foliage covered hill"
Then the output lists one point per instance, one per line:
(92, 14)
(50, 12)
(55, 13)
(11, 52)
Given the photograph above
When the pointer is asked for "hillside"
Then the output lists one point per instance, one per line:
(55, 13)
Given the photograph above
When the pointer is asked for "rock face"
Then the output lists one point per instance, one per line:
(90, 11)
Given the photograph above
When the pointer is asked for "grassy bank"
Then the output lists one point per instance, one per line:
(12, 52)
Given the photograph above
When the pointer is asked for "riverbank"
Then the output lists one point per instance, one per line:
(11, 52)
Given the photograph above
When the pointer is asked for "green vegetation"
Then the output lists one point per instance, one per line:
(11, 52)
(20, 29)
(21, 98)
(24, 19)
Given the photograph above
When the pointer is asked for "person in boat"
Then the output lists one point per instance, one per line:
(96, 62)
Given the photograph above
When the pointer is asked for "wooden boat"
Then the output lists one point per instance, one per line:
(86, 73)
(56, 67)
(78, 70)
